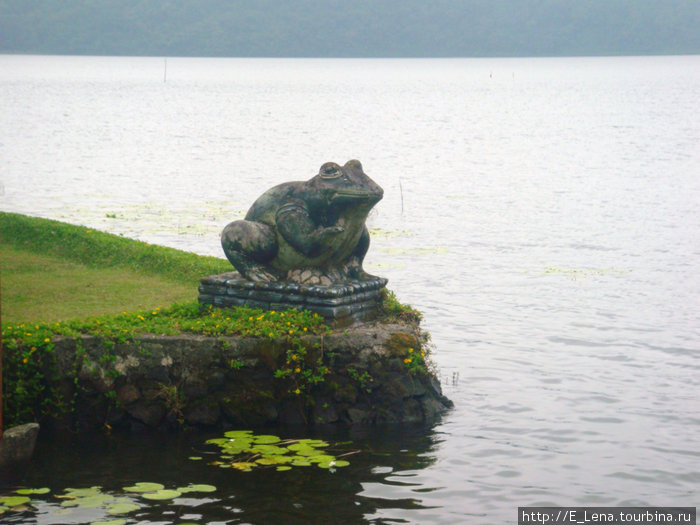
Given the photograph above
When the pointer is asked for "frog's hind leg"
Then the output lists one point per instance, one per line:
(249, 246)
(353, 267)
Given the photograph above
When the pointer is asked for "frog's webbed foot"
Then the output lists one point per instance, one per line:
(259, 274)
(353, 269)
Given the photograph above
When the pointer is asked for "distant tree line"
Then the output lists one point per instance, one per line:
(350, 28)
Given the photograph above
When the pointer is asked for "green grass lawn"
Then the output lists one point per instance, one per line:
(46, 288)
(53, 271)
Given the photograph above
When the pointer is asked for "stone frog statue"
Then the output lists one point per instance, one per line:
(310, 232)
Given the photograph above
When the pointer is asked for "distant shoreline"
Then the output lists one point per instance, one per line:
(359, 29)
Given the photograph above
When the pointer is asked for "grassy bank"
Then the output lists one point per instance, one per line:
(52, 271)
(61, 280)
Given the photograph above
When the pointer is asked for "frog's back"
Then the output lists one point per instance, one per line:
(264, 209)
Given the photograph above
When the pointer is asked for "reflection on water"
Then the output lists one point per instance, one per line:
(387, 458)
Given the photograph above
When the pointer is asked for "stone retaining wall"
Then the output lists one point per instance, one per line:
(160, 381)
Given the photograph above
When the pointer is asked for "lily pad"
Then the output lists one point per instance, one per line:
(316, 443)
(243, 465)
(27, 492)
(269, 450)
(89, 502)
(14, 501)
(162, 494)
(283, 467)
(321, 458)
(197, 488)
(109, 522)
(333, 464)
(82, 493)
(307, 452)
(217, 441)
(144, 486)
(268, 461)
(122, 508)
(265, 439)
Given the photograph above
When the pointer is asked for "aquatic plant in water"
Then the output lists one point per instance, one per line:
(74, 500)
(245, 451)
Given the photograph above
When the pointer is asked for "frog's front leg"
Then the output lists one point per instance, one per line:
(249, 245)
(295, 224)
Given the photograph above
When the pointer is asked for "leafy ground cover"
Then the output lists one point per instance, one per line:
(29, 356)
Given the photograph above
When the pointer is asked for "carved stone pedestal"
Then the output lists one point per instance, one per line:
(339, 304)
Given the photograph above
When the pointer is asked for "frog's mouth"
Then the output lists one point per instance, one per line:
(355, 195)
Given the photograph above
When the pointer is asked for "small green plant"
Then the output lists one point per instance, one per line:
(174, 401)
(414, 361)
(301, 369)
(235, 364)
(392, 309)
(363, 379)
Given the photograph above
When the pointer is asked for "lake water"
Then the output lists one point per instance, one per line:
(544, 214)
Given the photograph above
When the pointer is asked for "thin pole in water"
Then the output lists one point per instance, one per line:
(401, 192)
(165, 69)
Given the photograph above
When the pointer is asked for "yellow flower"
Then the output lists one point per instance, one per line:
(260, 318)
(250, 318)
(294, 357)
(305, 329)
(297, 370)
(291, 332)
(270, 334)
(410, 350)
(89, 231)
(25, 360)
(47, 340)
(297, 391)
(407, 360)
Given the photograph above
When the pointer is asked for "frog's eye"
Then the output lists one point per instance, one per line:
(354, 165)
(330, 170)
